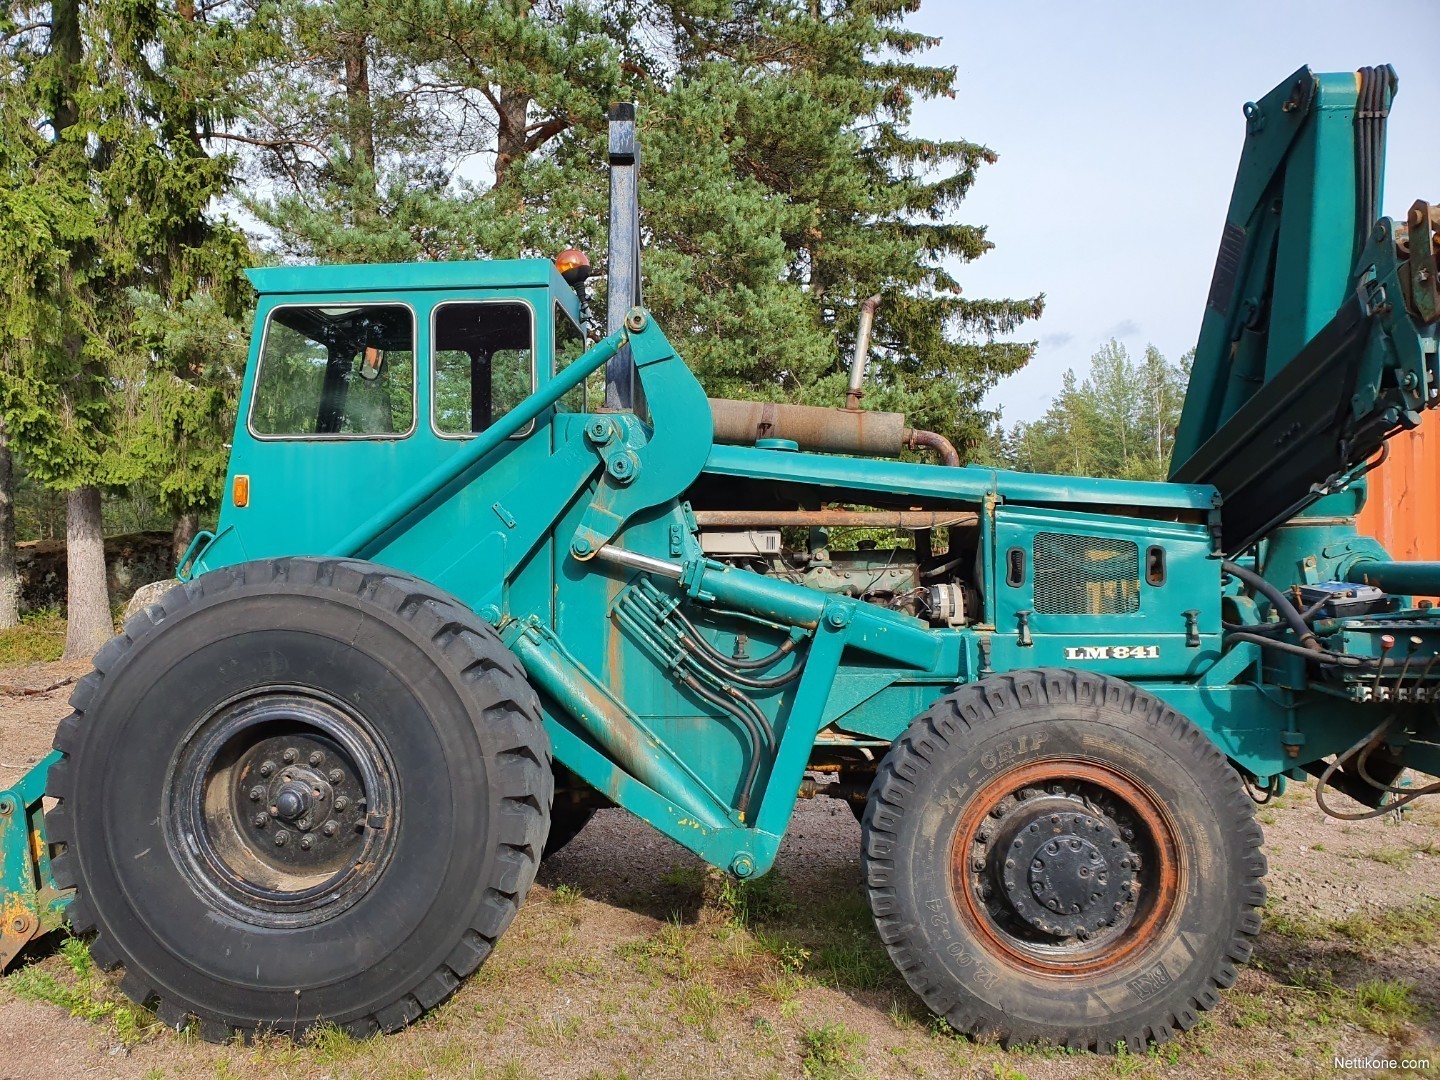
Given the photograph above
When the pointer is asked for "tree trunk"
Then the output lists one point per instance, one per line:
(358, 117)
(186, 526)
(87, 598)
(511, 118)
(9, 581)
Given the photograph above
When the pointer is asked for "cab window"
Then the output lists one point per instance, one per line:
(569, 346)
(337, 371)
(484, 363)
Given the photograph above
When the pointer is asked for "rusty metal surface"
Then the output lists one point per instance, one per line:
(1402, 506)
(862, 346)
(832, 431)
(865, 519)
(1156, 899)
(933, 440)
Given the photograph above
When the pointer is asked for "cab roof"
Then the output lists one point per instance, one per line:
(391, 277)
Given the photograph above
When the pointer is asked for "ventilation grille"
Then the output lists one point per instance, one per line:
(1085, 575)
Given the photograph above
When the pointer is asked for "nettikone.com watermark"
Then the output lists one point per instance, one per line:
(1382, 1064)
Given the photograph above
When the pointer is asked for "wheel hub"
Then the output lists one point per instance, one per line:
(283, 803)
(1067, 872)
(1064, 865)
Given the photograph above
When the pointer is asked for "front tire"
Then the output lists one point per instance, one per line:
(1059, 857)
(299, 790)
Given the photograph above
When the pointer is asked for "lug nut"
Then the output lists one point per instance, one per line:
(341, 803)
(261, 820)
(290, 756)
(335, 776)
(316, 757)
(281, 837)
(306, 841)
(303, 824)
(267, 768)
(330, 828)
(257, 793)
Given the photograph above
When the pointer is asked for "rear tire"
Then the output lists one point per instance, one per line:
(394, 750)
(1055, 856)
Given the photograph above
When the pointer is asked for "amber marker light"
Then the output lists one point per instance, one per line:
(574, 266)
(240, 490)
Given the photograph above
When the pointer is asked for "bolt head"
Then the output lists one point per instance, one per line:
(1082, 933)
(1009, 864)
(341, 803)
(261, 820)
(978, 865)
(334, 776)
(316, 757)
(257, 793)
(267, 768)
(1127, 833)
(987, 890)
(282, 838)
(306, 841)
(330, 828)
(290, 756)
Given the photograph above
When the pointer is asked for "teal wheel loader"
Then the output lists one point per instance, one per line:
(459, 596)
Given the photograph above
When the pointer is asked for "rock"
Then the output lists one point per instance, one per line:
(147, 595)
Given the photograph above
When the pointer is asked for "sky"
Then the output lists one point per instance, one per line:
(1118, 129)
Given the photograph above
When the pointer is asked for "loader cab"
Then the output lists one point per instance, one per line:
(361, 379)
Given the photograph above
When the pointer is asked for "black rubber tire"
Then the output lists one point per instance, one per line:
(447, 701)
(978, 735)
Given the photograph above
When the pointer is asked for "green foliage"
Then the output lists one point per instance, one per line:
(84, 993)
(1119, 421)
(830, 1051)
(39, 638)
(119, 338)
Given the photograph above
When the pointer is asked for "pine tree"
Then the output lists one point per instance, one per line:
(780, 182)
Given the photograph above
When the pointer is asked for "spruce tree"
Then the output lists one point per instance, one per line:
(104, 174)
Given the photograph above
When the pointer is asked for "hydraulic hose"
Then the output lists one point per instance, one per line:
(743, 663)
(707, 657)
(757, 743)
(1321, 655)
(1282, 603)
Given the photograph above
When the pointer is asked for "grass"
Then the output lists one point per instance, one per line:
(1397, 857)
(85, 994)
(830, 1052)
(1417, 924)
(40, 638)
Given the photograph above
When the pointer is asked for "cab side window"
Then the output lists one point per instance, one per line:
(342, 371)
(569, 346)
(484, 363)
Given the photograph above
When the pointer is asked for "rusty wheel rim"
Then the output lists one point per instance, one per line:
(1066, 867)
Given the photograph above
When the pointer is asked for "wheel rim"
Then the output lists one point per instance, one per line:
(282, 806)
(1066, 867)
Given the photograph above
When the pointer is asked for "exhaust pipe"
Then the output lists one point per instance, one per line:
(862, 347)
(622, 267)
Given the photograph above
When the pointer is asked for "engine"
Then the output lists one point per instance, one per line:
(898, 578)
